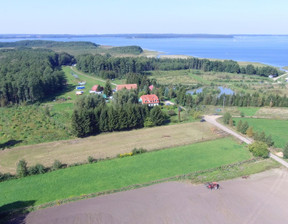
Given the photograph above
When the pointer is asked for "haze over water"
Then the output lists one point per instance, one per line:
(271, 50)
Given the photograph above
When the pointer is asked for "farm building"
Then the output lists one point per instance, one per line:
(152, 100)
(126, 86)
(95, 87)
(80, 87)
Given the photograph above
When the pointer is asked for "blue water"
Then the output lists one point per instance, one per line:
(271, 50)
(223, 90)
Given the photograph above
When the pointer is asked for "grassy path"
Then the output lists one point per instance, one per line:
(89, 76)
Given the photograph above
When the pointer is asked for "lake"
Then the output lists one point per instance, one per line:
(271, 50)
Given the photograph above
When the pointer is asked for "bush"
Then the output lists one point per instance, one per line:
(148, 122)
(90, 159)
(37, 169)
(259, 149)
(6, 176)
(138, 151)
(171, 113)
(56, 165)
(22, 170)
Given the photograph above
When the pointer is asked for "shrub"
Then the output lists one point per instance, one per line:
(37, 169)
(22, 170)
(125, 155)
(171, 113)
(138, 151)
(56, 165)
(90, 159)
(6, 176)
(259, 149)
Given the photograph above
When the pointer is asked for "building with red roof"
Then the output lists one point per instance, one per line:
(152, 100)
(126, 86)
(94, 88)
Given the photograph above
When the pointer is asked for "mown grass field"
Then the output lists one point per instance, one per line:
(121, 172)
(276, 128)
(107, 145)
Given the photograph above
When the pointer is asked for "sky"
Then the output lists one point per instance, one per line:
(144, 16)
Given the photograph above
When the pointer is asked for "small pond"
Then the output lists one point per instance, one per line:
(223, 90)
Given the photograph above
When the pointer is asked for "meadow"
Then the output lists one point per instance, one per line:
(118, 173)
(276, 128)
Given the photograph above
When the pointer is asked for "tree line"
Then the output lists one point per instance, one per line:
(28, 75)
(92, 115)
(106, 66)
(238, 99)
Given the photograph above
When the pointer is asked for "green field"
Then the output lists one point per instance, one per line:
(276, 128)
(248, 111)
(121, 172)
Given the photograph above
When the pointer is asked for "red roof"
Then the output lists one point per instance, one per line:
(127, 86)
(148, 99)
(151, 87)
(94, 88)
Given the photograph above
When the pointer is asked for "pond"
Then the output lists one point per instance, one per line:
(223, 90)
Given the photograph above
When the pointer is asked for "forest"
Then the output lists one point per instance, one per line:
(92, 115)
(106, 66)
(28, 75)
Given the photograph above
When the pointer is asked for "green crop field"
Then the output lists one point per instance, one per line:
(276, 128)
(117, 173)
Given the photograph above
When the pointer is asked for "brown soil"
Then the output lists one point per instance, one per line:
(261, 198)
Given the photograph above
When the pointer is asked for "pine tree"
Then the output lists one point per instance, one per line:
(157, 116)
(108, 89)
(104, 120)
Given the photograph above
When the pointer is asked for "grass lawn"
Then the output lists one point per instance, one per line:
(121, 172)
(276, 128)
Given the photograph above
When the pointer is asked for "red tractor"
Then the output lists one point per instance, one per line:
(212, 185)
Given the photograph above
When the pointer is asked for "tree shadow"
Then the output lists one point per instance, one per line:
(16, 212)
(9, 143)
(66, 89)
